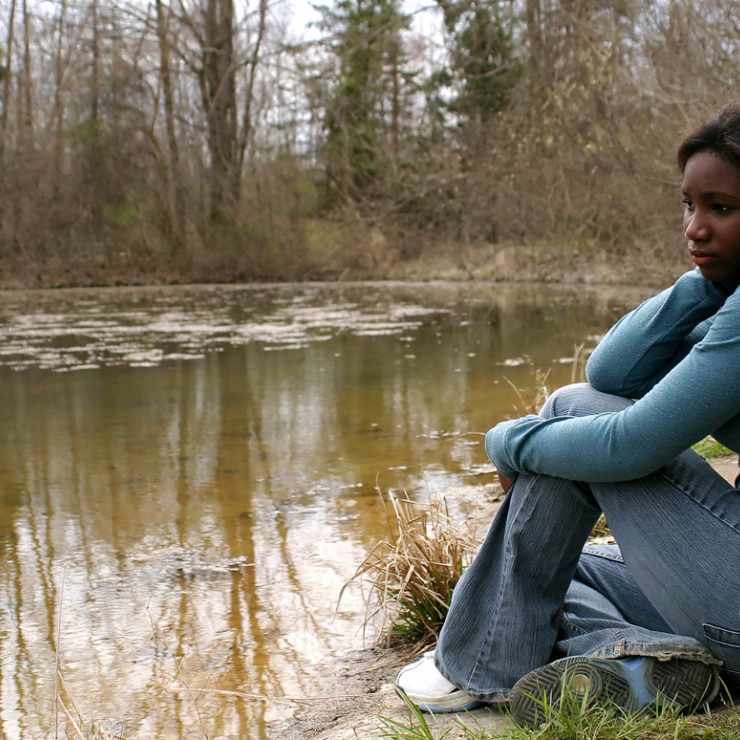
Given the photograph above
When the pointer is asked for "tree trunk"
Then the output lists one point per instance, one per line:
(218, 90)
(246, 126)
(534, 32)
(6, 86)
(58, 108)
(95, 170)
(175, 192)
(27, 86)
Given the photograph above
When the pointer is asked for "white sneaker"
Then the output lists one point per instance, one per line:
(423, 684)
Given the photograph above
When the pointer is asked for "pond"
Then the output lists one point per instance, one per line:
(189, 475)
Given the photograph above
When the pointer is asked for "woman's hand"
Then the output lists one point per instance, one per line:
(506, 482)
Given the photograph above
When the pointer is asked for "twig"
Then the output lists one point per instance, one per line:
(266, 697)
(57, 700)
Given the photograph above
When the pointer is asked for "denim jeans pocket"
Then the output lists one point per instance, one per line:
(725, 645)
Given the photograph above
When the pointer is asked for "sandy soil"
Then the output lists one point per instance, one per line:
(362, 695)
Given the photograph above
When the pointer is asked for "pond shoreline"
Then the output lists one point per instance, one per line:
(363, 691)
(487, 262)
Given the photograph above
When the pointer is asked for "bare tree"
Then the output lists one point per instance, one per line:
(7, 78)
(26, 83)
(58, 104)
(221, 54)
(175, 187)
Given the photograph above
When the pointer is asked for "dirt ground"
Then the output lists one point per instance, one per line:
(363, 695)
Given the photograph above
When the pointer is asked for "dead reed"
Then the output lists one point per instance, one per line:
(413, 572)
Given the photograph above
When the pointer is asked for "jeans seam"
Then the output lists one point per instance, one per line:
(571, 625)
(499, 599)
(590, 550)
(686, 491)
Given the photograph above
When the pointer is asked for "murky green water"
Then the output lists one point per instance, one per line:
(188, 477)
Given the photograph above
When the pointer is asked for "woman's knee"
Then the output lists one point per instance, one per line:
(581, 399)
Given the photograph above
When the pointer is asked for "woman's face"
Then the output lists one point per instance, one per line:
(711, 218)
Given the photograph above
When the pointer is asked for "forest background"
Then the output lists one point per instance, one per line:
(146, 141)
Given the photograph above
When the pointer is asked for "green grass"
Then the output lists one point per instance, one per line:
(710, 448)
(574, 719)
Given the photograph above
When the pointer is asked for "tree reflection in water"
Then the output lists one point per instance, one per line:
(182, 506)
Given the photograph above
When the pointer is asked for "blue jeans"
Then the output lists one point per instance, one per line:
(534, 594)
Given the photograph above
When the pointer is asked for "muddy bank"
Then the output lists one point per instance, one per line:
(591, 265)
(362, 694)
(543, 263)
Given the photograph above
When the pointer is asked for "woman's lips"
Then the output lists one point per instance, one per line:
(699, 257)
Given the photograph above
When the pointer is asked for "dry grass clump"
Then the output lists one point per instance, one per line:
(83, 729)
(601, 532)
(414, 571)
(531, 399)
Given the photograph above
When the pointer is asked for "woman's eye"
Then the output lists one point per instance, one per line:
(689, 205)
(721, 208)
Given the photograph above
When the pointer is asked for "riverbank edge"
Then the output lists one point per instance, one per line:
(363, 692)
(485, 262)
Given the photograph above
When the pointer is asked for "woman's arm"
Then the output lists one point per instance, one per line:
(643, 346)
(700, 395)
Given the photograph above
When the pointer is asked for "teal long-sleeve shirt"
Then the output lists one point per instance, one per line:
(678, 355)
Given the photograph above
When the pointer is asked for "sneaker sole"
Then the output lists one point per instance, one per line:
(684, 683)
(450, 703)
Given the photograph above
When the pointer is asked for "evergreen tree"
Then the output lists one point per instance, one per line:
(363, 110)
(482, 56)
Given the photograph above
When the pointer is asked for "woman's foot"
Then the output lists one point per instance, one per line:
(629, 683)
(423, 684)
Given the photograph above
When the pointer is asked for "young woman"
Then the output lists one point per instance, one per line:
(657, 615)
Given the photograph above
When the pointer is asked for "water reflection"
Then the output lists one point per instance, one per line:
(179, 510)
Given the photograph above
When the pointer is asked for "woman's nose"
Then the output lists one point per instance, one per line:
(695, 227)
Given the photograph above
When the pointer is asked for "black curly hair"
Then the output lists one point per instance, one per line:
(720, 135)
